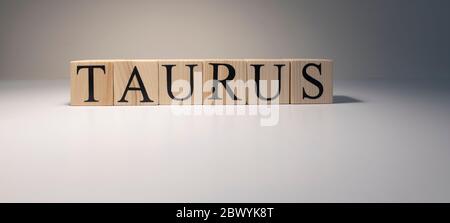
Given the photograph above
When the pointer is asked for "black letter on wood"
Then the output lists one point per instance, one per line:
(231, 74)
(169, 81)
(258, 77)
(312, 80)
(91, 68)
(141, 87)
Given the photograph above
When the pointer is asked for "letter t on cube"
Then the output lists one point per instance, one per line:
(91, 82)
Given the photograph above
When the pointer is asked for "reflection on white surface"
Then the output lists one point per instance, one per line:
(382, 141)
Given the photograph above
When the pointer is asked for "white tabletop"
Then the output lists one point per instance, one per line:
(382, 141)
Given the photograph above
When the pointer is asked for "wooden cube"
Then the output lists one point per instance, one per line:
(268, 81)
(136, 82)
(311, 81)
(180, 82)
(224, 82)
(91, 82)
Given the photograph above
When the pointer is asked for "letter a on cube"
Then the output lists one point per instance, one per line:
(136, 82)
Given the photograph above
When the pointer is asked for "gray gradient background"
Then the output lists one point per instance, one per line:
(384, 139)
(366, 38)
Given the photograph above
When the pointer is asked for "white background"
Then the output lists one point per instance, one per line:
(381, 141)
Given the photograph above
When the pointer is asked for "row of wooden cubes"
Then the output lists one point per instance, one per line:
(153, 82)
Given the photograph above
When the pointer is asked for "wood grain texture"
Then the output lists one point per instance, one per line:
(145, 82)
(180, 71)
(102, 83)
(237, 86)
(303, 74)
(271, 89)
(126, 70)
